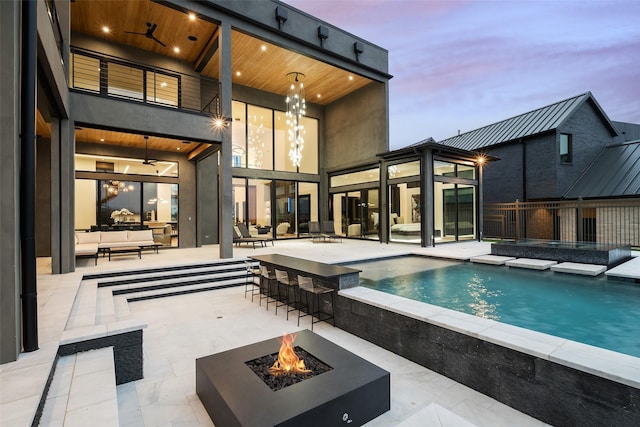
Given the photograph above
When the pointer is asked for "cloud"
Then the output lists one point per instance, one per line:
(466, 64)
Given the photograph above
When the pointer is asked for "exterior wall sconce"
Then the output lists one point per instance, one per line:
(323, 34)
(281, 16)
(358, 48)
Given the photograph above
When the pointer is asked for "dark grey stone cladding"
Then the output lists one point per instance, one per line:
(553, 393)
(127, 353)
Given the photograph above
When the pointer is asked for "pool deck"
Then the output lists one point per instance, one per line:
(185, 327)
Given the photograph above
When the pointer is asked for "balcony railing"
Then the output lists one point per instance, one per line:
(110, 76)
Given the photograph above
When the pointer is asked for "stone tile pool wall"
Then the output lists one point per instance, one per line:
(580, 252)
(451, 344)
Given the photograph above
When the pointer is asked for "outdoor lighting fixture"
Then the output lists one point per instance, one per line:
(296, 109)
(219, 123)
(358, 48)
(281, 16)
(481, 160)
(323, 34)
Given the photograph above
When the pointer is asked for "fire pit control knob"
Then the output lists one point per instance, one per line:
(345, 418)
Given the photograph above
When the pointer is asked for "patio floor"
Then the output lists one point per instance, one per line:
(183, 328)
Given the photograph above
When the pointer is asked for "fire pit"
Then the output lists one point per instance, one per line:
(340, 389)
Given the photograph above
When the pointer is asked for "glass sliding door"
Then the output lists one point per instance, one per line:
(285, 205)
(466, 212)
(239, 197)
(356, 213)
(119, 204)
(405, 212)
(160, 212)
(259, 206)
(86, 204)
(307, 206)
(455, 214)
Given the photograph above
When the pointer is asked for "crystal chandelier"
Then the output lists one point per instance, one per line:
(296, 109)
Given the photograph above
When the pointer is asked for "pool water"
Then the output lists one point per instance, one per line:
(596, 311)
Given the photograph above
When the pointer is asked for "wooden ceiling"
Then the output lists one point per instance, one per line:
(100, 136)
(255, 63)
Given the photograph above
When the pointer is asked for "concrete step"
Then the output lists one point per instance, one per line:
(83, 391)
(166, 283)
(182, 289)
(83, 312)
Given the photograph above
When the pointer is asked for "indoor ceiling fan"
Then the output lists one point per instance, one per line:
(147, 161)
(149, 33)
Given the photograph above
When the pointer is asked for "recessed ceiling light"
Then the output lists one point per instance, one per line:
(176, 49)
(101, 139)
(178, 148)
(350, 77)
(105, 29)
(192, 16)
(238, 73)
(163, 84)
(319, 96)
(193, 38)
(263, 48)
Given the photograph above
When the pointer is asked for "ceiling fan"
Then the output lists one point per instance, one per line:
(147, 161)
(149, 33)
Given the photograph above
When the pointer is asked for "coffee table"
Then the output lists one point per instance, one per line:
(125, 250)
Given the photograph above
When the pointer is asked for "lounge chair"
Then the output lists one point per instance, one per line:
(315, 232)
(238, 239)
(329, 231)
(262, 238)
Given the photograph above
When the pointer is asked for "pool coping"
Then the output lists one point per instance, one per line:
(604, 363)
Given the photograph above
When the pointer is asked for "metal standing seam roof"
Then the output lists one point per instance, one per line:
(527, 124)
(614, 172)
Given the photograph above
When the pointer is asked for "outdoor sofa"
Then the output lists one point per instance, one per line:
(91, 243)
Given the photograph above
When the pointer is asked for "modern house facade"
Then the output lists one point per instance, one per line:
(566, 172)
(176, 116)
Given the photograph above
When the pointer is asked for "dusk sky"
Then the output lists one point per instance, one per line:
(460, 65)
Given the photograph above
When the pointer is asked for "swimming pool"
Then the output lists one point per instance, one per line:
(596, 311)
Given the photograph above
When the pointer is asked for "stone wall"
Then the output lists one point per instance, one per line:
(550, 392)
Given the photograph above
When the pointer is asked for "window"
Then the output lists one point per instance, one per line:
(360, 177)
(403, 170)
(565, 148)
(260, 140)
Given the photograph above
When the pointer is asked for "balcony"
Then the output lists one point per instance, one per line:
(109, 76)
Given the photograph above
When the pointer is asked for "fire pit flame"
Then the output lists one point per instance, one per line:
(288, 362)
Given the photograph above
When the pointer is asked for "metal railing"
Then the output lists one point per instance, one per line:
(114, 77)
(601, 221)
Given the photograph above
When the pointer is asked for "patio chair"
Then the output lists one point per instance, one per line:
(286, 286)
(238, 239)
(267, 277)
(244, 232)
(313, 305)
(329, 231)
(250, 284)
(315, 232)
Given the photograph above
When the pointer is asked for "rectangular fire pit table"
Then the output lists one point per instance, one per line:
(333, 276)
(352, 393)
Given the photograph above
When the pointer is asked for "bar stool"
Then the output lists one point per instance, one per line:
(285, 287)
(250, 284)
(266, 278)
(313, 307)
